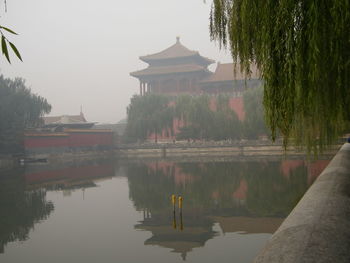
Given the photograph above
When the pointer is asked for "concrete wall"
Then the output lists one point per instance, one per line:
(318, 228)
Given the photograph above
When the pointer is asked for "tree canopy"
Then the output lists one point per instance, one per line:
(197, 117)
(202, 121)
(148, 114)
(302, 49)
(19, 109)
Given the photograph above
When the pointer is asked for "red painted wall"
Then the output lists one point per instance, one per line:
(69, 139)
(90, 139)
(237, 105)
(49, 141)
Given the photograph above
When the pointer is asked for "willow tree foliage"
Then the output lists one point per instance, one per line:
(302, 48)
(6, 43)
(207, 117)
(19, 109)
(254, 121)
(148, 114)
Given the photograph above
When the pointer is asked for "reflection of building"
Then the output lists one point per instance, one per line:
(67, 176)
(248, 225)
(243, 197)
(173, 170)
(174, 70)
(196, 232)
(314, 168)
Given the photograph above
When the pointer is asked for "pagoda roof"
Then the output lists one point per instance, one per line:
(175, 51)
(164, 70)
(231, 72)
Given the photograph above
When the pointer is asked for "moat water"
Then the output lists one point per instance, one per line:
(113, 211)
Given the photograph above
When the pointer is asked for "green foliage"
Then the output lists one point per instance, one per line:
(254, 124)
(202, 122)
(148, 114)
(203, 117)
(302, 50)
(19, 109)
(5, 42)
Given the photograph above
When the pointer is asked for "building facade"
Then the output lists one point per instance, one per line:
(178, 70)
(175, 70)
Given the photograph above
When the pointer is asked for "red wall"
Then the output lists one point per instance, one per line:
(237, 105)
(90, 139)
(47, 141)
(69, 139)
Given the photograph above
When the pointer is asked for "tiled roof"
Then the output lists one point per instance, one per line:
(168, 70)
(175, 51)
(226, 72)
(64, 119)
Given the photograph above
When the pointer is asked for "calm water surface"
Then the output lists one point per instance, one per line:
(108, 211)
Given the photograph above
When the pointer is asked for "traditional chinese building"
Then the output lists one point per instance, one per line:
(228, 78)
(67, 121)
(67, 133)
(179, 70)
(173, 71)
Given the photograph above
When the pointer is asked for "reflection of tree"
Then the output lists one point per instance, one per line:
(272, 194)
(235, 188)
(20, 209)
(223, 192)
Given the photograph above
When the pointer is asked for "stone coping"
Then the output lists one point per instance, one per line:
(318, 228)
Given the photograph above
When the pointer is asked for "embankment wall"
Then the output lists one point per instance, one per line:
(318, 228)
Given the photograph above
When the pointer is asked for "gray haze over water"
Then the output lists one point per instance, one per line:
(80, 52)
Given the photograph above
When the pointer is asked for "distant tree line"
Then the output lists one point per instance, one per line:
(19, 109)
(154, 113)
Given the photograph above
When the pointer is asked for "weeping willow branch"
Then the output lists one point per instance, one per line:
(5, 43)
(302, 48)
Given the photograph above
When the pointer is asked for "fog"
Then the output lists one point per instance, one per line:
(80, 52)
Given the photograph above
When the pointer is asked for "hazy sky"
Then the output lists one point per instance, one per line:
(80, 52)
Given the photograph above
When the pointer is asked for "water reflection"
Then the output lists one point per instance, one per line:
(245, 197)
(68, 176)
(20, 209)
(23, 193)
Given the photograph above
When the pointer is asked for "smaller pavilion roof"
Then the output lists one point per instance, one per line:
(64, 119)
(175, 51)
(231, 72)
